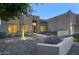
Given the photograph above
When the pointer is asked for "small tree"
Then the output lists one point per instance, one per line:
(14, 10)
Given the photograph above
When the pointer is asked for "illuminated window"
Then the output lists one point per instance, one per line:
(12, 28)
(43, 28)
(25, 27)
(34, 23)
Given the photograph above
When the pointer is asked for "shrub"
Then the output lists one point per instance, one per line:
(76, 36)
(3, 35)
(11, 35)
(53, 40)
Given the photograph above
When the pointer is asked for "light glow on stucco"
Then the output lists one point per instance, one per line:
(25, 27)
(71, 29)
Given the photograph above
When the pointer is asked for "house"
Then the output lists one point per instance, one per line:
(29, 23)
(68, 21)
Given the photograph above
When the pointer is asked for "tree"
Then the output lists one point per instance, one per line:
(14, 10)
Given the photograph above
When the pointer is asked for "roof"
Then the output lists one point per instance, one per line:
(43, 21)
(68, 12)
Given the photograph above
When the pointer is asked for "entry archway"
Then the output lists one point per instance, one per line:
(34, 26)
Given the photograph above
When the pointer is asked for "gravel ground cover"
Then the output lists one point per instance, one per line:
(15, 46)
(75, 49)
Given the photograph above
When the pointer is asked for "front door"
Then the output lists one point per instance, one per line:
(34, 29)
(34, 26)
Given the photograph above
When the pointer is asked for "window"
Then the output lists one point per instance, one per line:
(12, 28)
(34, 23)
(43, 28)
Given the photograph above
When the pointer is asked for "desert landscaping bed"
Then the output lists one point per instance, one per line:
(15, 46)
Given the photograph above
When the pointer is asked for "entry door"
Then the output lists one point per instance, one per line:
(34, 26)
(34, 29)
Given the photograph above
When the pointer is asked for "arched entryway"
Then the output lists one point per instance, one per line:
(34, 26)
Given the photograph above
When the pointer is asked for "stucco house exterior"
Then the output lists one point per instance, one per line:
(29, 23)
(68, 21)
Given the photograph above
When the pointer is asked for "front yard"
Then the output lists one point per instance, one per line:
(15, 46)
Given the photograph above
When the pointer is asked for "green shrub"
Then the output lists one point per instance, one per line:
(11, 35)
(3, 35)
(76, 36)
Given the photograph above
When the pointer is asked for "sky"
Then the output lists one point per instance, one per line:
(48, 10)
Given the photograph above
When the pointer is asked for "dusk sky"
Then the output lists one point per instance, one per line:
(48, 10)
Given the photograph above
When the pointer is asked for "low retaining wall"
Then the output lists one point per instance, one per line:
(61, 48)
(65, 45)
(47, 49)
(62, 33)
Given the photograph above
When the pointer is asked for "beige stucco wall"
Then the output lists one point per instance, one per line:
(38, 22)
(77, 27)
(14, 21)
(63, 22)
(3, 26)
(60, 22)
(27, 20)
(73, 23)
